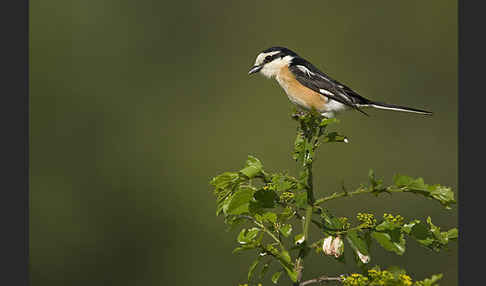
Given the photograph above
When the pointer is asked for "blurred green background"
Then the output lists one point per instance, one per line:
(135, 105)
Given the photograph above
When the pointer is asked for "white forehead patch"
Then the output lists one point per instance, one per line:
(261, 57)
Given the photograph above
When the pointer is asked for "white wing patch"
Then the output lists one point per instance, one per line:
(305, 70)
(326, 92)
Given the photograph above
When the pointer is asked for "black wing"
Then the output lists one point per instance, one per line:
(309, 76)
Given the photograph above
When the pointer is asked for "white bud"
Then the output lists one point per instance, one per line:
(337, 247)
(327, 246)
(363, 258)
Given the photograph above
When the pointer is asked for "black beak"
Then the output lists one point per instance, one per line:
(255, 69)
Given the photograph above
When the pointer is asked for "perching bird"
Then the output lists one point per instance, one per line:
(308, 87)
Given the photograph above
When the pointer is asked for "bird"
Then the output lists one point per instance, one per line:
(309, 88)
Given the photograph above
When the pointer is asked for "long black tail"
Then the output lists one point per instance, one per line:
(386, 106)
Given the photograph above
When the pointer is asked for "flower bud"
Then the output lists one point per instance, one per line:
(338, 247)
(333, 246)
(326, 246)
(364, 258)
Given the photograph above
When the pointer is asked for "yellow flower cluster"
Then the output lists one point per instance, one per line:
(344, 221)
(366, 219)
(355, 279)
(406, 280)
(377, 278)
(286, 196)
(398, 219)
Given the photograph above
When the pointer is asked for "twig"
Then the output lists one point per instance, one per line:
(262, 227)
(359, 191)
(320, 279)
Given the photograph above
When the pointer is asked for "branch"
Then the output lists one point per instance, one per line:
(360, 190)
(320, 279)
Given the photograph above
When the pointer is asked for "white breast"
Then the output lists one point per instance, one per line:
(271, 69)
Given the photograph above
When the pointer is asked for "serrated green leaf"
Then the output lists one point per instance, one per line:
(252, 268)
(331, 222)
(233, 222)
(374, 182)
(407, 228)
(442, 194)
(253, 167)
(433, 228)
(240, 201)
(285, 261)
(258, 218)
(387, 242)
(286, 229)
(357, 242)
(238, 250)
(406, 181)
(276, 277)
(334, 137)
(224, 184)
(430, 236)
(247, 236)
(420, 231)
(244, 247)
(371, 175)
(299, 148)
(282, 183)
(401, 180)
(441, 237)
(255, 209)
(265, 198)
(224, 180)
(452, 233)
(222, 206)
(432, 280)
(389, 226)
(301, 199)
(286, 214)
(327, 121)
(286, 256)
(270, 217)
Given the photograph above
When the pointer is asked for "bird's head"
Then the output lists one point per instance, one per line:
(270, 61)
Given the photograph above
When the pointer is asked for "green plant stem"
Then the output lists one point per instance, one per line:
(270, 234)
(307, 220)
(299, 265)
(359, 191)
(310, 185)
(264, 228)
